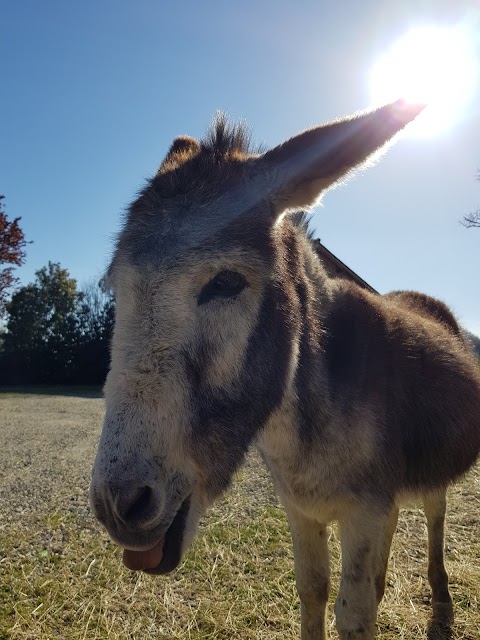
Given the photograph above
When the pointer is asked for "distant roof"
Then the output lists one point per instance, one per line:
(337, 268)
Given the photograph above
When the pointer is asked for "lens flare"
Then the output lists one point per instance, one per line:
(432, 65)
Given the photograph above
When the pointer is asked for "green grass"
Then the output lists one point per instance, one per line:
(61, 577)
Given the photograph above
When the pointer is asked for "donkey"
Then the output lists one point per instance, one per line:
(229, 333)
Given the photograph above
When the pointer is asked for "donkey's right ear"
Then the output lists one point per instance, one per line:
(183, 148)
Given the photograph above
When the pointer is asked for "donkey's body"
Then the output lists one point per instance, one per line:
(229, 332)
(384, 391)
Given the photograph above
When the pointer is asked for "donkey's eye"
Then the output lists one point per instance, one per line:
(225, 284)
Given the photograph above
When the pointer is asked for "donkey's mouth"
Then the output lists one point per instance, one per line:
(167, 553)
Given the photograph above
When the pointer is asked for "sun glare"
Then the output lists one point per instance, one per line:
(430, 65)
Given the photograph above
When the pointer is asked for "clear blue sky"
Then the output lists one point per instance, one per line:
(93, 92)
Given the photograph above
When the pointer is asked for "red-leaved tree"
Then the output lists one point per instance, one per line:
(12, 252)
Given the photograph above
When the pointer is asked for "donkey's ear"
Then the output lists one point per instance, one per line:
(183, 148)
(302, 168)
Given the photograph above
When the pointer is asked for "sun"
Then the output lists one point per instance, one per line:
(432, 65)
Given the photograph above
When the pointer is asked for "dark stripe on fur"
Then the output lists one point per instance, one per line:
(225, 422)
(308, 383)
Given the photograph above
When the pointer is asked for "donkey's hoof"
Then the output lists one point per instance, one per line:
(360, 633)
(443, 612)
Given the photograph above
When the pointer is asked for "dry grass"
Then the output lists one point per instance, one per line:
(62, 578)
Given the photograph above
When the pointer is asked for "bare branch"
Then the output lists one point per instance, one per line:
(472, 219)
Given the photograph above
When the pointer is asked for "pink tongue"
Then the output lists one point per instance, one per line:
(137, 560)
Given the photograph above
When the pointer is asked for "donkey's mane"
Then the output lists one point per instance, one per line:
(191, 164)
(227, 138)
(301, 220)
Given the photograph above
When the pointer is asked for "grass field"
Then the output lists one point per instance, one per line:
(61, 578)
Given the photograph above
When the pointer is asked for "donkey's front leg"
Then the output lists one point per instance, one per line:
(312, 572)
(361, 535)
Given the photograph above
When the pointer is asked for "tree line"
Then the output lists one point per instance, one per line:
(56, 334)
(52, 333)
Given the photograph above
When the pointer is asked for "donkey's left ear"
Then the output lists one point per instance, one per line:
(302, 168)
(183, 148)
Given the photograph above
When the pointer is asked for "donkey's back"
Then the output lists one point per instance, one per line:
(427, 307)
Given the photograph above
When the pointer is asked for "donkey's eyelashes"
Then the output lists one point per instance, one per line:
(225, 284)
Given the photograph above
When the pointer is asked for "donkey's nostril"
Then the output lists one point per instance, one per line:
(137, 507)
(141, 505)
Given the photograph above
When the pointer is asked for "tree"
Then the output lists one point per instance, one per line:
(12, 251)
(42, 328)
(96, 320)
(56, 334)
(472, 219)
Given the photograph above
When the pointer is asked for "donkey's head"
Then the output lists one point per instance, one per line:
(208, 310)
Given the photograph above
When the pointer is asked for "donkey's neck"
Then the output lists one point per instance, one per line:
(311, 291)
(298, 438)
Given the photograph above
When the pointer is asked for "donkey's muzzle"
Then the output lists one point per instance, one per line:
(126, 506)
(136, 506)
(135, 519)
